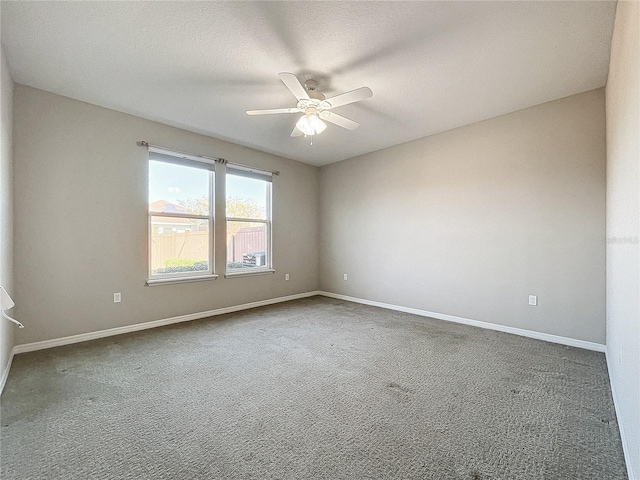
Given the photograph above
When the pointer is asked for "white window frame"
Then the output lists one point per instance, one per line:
(268, 268)
(178, 277)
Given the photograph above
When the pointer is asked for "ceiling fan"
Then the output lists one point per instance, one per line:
(315, 107)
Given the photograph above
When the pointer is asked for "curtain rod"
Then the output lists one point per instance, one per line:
(143, 143)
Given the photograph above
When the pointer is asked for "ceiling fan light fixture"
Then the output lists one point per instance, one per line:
(310, 124)
(315, 107)
(317, 124)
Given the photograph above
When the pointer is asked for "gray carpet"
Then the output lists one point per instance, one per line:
(315, 388)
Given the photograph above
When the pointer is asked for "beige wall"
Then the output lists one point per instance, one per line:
(6, 207)
(471, 221)
(81, 200)
(623, 226)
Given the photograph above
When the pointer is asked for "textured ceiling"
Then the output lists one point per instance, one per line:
(432, 66)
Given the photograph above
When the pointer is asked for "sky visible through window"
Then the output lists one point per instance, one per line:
(175, 183)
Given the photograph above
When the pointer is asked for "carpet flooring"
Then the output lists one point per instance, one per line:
(311, 389)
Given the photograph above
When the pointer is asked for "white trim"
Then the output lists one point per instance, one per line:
(178, 154)
(29, 347)
(56, 342)
(5, 372)
(623, 438)
(246, 168)
(186, 215)
(248, 273)
(572, 342)
(154, 282)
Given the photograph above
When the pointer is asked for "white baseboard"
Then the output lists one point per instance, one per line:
(623, 437)
(30, 347)
(83, 337)
(5, 372)
(572, 342)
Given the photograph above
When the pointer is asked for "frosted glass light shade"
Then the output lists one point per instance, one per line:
(317, 124)
(310, 124)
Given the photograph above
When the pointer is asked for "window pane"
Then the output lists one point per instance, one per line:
(178, 189)
(179, 245)
(246, 245)
(246, 197)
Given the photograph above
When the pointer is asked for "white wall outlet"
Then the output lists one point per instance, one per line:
(117, 297)
(344, 277)
(286, 276)
(533, 300)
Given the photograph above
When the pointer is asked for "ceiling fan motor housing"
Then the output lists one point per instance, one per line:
(313, 105)
(311, 86)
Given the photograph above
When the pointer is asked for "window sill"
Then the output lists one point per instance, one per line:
(168, 281)
(249, 273)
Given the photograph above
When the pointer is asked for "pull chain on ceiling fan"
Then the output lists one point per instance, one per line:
(315, 107)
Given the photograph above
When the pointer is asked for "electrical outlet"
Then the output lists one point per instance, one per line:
(533, 300)
(344, 277)
(286, 276)
(117, 297)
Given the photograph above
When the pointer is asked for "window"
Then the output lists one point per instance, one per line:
(182, 217)
(181, 222)
(248, 220)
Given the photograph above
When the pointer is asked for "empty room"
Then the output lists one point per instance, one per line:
(320, 240)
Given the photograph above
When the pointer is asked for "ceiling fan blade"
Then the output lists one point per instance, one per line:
(296, 132)
(350, 97)
(339, 120)
(294, 85)
(273, 110)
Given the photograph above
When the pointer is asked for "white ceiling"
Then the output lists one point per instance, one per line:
(432, 66)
